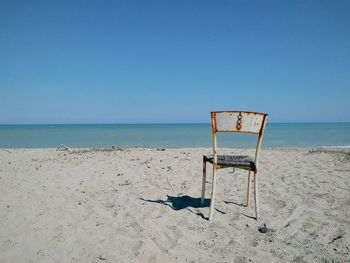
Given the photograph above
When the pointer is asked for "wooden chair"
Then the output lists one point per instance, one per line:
(235, 121)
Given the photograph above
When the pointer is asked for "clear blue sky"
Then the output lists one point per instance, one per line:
(173, 61)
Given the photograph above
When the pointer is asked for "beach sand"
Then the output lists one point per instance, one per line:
(142, 205)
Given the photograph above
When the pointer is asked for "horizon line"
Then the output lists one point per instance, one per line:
(165, 123)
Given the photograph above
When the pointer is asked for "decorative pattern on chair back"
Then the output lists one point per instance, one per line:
(238, 121)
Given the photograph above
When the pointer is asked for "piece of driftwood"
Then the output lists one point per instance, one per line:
(62, 148)
(169, 184)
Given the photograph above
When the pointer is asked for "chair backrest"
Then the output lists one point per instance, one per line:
(238, 121)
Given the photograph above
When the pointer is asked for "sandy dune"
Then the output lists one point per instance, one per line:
(142, 205)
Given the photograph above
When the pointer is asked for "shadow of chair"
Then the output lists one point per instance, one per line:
(187, 202)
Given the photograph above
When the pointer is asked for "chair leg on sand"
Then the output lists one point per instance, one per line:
(256, 195)
(248, 189)
(212, 202)
(204, 180)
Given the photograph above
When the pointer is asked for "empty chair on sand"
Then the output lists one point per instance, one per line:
(235, 121)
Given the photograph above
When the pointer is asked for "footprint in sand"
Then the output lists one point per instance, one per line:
(173, 235)
(136, 249)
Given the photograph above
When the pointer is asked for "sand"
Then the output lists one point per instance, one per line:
(142, 205)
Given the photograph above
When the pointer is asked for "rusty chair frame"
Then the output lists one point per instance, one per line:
(235, 121)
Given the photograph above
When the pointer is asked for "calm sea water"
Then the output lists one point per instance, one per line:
(170, 135)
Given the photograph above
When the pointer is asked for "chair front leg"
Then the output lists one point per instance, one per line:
(213, 189)
(256, 195)
(248, 188)
(204, 180)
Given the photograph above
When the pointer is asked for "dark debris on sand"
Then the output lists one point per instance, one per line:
(264, 229)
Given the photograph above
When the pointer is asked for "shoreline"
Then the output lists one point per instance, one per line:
(169, 148)
(340, 149)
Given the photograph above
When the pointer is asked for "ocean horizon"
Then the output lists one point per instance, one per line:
(170, 135)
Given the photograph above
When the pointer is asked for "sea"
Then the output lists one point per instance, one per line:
(170, 135)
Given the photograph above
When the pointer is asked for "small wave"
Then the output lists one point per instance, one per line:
(342, 146)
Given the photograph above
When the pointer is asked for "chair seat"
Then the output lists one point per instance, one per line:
(238, 161)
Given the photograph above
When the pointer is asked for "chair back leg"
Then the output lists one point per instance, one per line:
(204, 180)
(213, 190)
(256, 197)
